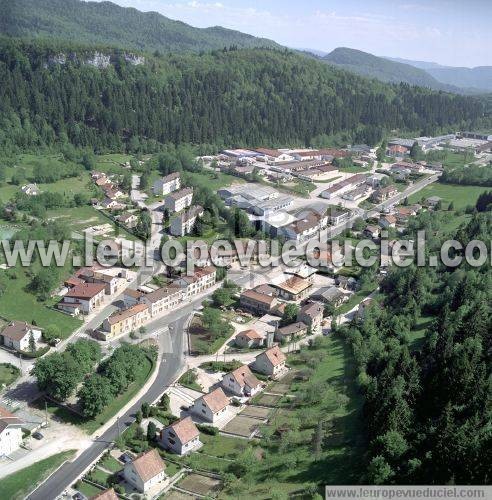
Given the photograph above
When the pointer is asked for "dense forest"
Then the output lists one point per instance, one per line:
(109, 24)
(428, 406)
(234, 97)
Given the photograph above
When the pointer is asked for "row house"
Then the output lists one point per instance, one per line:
(124, 322)
(179, 200)
(162, 299)
(257, 303)
(203, 278)
(183, 223)
(167, 184)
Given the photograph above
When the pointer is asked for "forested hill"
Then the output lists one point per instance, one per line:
(234, 97)
(109, 24)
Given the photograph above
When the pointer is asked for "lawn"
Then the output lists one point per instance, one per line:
(18, 485)
(212, 180)
(8, 374)
(87, 489)
(188, 379)
(203, 341)
(355, 299)
(461, 196)
(110, 463)
(18, 304)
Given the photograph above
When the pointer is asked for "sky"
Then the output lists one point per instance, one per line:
(449, 32)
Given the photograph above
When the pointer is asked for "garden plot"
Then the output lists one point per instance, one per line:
(243, 426)
(177, 495)
(200, 485)
(259, 412)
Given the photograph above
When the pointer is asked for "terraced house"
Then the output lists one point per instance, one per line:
(124, 321)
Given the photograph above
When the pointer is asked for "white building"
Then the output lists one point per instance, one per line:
(271, 362)
(181, 437)
(145, 471)
(84, 298)
(241, 382)
(203, 278)
(168, 184)
(162, 299)
(183, 223)
(10, 432)
(17, 335)
(179, 200)
(210, 407)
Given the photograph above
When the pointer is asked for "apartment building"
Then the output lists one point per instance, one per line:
(179, 200)
(167, 184)
(203, 278)
(183, 223)
(124, 322)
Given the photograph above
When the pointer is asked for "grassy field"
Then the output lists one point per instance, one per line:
(8, 374)
(355, 299)
(88, 489)
(461, 196)
(17, 303)
(18, 485)
(213, 180)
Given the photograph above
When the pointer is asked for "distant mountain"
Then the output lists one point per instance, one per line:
(417, 64)
(108, 23)
(366, 64)
(316, 52)
(478, 78)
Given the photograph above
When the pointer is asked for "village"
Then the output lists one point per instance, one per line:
(234, 376)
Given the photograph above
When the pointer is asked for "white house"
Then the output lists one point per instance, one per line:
(162, 299)
(202, 278)
(10, 432)
(30, 189)
(145, 471)
(241, 382)
(181, 437)
(84, 297)
(210, 407)
(17, 335)
(168, 184)
(271, 362)
(249, 338)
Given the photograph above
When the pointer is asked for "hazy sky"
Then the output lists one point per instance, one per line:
(451, 32)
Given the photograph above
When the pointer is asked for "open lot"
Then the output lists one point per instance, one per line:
(461, 196)
(255, 412)
(267, 399)
(201, 485)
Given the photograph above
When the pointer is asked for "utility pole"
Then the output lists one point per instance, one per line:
(118, 424)
(46, 412)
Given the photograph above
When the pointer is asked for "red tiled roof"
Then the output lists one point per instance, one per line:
(250, 334)
(106, 495)
(274, 355)
(127, 313)
(216, 400)
(148, 465)
(85, 290)
(244, 376)
(185, 430)
(17, 330)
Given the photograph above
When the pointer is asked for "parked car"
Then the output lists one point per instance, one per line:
(37, 435)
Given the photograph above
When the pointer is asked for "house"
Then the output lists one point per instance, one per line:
(312, 315)
(399, 172)
(30, 189)
(433, 201)
(398, 150)
(132, 297)
(249, 338)
(404, 213)
(128, 219)
(125, 321)
(183, 224)
(383, 194)
(372, 231)
(109, 203)
(202, 278)
(256, 302)
(111, 281)
(168, 184)
(84, 298)
(179, 200)
(270, 362)
(162, 299)
(303, 229)
(345, 282)
(375, 180)
(387, 221)
(109, 494)
(145, 471)
(241, 382)
(10, 432)
(180, 437)
(294, 288)
(290, 332)
(18, 334)
(210, 407)
(330, 295)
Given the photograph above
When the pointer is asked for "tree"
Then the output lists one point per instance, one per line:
(32, 342)
(138, 417)
(381, 151)
(290, 314)
(416, 152)
(143, 228)
(145, 409)
(151, 431)
(95, 395)
(379, 471)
